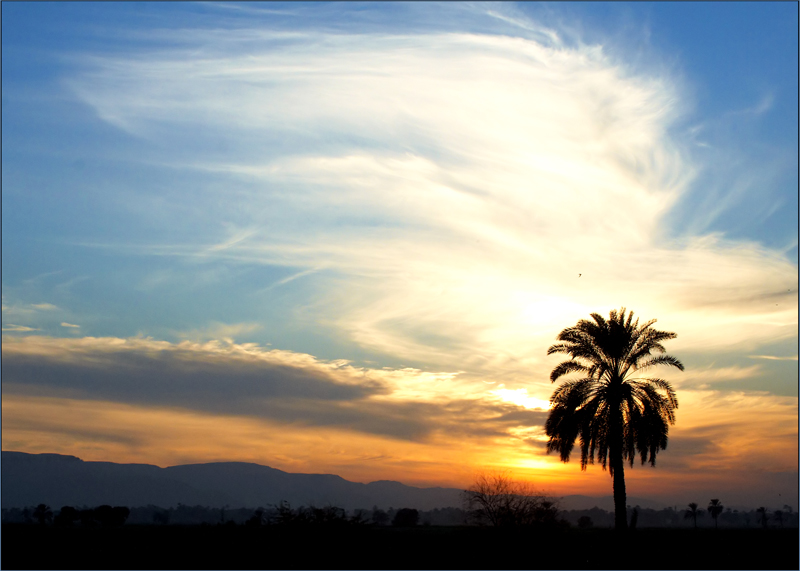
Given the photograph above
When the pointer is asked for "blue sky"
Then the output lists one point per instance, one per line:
(405, 192)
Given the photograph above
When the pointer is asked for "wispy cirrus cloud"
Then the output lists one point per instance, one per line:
(18, 328)
(774, 357)
(454, 185)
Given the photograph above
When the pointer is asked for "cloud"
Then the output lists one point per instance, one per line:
(29, 310)
(246, 380)
(65, 324)
(186, 373)
(694, 376)
(764, 105)
(748, 428)
(19, 328)
(102, 430)
(140, 399)
(223, 331)
(439, 193)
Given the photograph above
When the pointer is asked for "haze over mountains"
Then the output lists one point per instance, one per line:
(58, 480)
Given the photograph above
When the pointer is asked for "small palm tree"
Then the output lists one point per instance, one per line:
(614, 414)
(693, 512)
(763, 516)
(715, 508)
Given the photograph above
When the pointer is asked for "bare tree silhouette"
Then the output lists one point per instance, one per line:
(614, 414)
(497, 499)
(693, 512)
(715, 508)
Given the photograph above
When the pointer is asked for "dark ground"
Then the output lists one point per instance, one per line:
(271, 547)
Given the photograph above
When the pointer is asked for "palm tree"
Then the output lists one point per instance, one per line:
(715, 508)
(614, 414)
(763, 516)
(693, 512)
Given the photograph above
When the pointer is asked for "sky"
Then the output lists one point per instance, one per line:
(340, 238)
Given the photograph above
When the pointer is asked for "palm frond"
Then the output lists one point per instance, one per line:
(661, 360)
(565, 368)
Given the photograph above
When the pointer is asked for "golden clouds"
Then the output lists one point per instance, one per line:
(103, 431)
(364, 424)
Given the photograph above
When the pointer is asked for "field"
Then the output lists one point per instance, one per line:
(271, 547)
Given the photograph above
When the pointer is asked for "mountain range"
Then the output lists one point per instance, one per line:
(58, 480)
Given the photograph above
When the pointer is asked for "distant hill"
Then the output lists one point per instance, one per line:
(58, 480)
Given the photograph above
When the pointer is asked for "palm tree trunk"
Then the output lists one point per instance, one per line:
(618, 472)
(620, 499)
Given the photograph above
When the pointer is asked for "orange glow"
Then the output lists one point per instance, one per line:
(104, 431)
(467, 425)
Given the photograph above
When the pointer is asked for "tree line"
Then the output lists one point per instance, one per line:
(42, 514)
(594, 518)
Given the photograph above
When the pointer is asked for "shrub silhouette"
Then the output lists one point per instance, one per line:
(406, 517)
(314, 516)
(43, 514)
(66, 516)
(161, 516)
(614, 414)
(257, 518)
(379, 517)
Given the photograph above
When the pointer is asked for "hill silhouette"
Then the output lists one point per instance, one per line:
(57, 480)
(54, 479)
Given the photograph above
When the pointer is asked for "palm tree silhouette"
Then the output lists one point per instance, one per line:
(693, 512)
(612, 413)
(763, 516)
(715, 508)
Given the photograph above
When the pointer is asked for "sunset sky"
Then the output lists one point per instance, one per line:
(339, 238)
